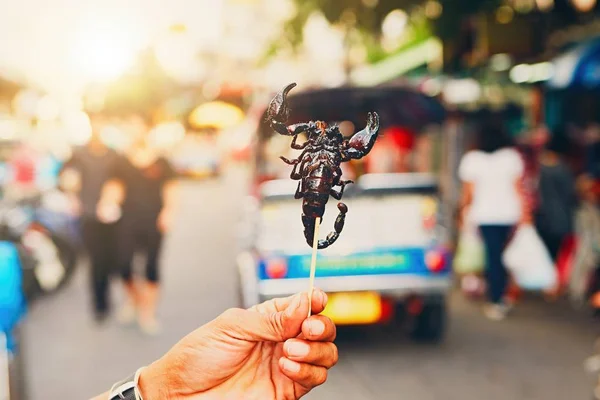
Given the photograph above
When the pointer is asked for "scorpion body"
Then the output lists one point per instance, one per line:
(318, 167)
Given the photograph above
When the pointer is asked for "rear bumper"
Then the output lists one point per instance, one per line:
(398, 286)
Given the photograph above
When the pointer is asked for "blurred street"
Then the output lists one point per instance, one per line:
(538, 353)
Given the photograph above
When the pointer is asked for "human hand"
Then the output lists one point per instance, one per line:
(269, 352)
(165, 220)
(108, 212)
(526, 219)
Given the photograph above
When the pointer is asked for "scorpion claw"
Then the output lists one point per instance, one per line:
(278, 109)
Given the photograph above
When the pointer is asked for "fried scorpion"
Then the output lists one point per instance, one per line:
(317, 168)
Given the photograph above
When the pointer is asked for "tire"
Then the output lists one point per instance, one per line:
(430, 324)
(68, 256)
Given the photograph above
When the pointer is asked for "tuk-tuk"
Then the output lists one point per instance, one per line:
(392, 259)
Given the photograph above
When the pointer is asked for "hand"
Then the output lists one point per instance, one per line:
(526, 219)
(269, 352)
(108, 212)
(165, 220)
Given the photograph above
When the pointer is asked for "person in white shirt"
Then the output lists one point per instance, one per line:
(491, 177)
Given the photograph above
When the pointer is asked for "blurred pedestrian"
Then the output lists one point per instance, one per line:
(585, 274)
(143, 185)
(84, 174)
(556, 194)
(592, 150)
(492, 193)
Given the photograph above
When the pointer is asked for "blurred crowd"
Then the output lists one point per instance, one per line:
(546, 181)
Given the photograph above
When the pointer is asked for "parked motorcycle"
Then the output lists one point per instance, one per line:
(45, 233)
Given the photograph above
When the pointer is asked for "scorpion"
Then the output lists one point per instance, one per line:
(317, 168)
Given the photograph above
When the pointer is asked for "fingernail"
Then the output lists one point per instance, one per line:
(323, 299)
(290, 365)
(297, 349)
(316, 328)
(294, 305)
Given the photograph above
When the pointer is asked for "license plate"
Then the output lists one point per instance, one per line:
(359, 308)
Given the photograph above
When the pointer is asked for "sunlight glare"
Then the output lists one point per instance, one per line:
(103, 51)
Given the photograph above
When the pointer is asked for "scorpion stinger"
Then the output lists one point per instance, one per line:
(317, 168)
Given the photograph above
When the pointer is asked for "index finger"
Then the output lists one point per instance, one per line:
(319, 301)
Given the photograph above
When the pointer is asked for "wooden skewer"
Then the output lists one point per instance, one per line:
(313, 264)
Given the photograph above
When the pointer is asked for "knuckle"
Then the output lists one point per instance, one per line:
(335, 355)
(231, 314)
(320, 377)
(276, 323)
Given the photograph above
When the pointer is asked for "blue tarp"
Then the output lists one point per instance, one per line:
(12, 300)
(578, 67)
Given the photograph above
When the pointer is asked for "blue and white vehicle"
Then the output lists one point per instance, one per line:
(390, 260)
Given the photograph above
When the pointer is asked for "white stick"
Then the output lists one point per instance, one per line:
(313, 264)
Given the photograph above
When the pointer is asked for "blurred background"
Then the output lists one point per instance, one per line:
(184, 85)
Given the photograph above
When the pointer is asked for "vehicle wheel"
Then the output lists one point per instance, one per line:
(31, 287)
(430, 324)
(54, 259)
(68, 257)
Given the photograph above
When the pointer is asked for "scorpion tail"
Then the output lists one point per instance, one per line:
(309, 228)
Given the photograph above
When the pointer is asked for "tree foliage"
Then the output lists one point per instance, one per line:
(367, 15)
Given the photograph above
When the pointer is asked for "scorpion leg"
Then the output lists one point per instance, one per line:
(300, 146)
(290, 162)
(299, 193)
(295, 160)
(338, 195)
(302, 167)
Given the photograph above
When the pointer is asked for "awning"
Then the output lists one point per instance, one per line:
(578, 67)
(414, 57)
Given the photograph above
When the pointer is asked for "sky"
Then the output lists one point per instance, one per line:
(62, 44)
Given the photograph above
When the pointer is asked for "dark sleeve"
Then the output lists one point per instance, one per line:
(569, 188)
(167, 170)
(117, 167)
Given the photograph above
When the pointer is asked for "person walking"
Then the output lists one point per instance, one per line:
(491, 176)
(554, 217)
(143, 185)
(84, 174)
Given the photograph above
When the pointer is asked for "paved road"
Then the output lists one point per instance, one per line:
(536, 354)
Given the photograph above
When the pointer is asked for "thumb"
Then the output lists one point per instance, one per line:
(253, 326)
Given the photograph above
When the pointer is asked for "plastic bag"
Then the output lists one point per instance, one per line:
(529, 261)
(470, 252)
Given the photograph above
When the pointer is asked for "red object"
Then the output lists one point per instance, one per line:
(429, 222)
(414, 306)
(564, 260)
(403, 138)
(24, 166)
(435, 261)
(387, 310)
(276, 268)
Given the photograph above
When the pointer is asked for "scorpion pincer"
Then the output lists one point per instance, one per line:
(317, 168)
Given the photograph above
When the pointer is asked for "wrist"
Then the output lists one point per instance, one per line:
(155, 382)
